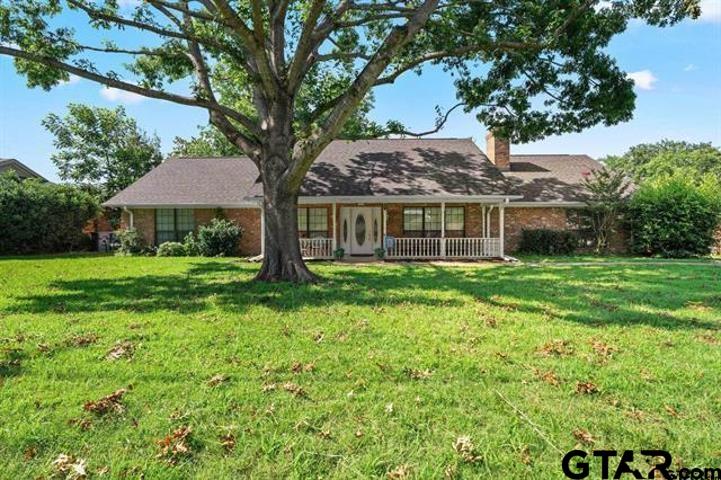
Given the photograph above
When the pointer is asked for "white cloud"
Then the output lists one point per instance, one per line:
(115, 95)
(70, 81)
(711, 11)
(644, 79)
(690, 67)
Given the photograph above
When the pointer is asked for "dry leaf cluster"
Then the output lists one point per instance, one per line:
(112, 403)
(120, 350)
(69, 467)
(175, 446)
(558, 348)
(465, 448)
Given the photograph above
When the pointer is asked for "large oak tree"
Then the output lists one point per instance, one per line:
(281, 78)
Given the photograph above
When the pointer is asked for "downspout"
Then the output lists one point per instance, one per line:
(131, 217)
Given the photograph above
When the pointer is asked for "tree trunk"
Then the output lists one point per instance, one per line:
(282, 260)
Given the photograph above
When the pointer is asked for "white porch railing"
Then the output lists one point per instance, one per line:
(316, 247)
(473, 247)
(445, 248)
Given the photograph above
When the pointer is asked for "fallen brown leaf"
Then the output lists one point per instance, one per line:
(465, 448)
(120, 350)
(82, 340)
(586, 388)
(399, 473)
(175, 445)
(107, 404)
(69, 467)
(526, 455)
(218, 380)
(548, 376)
(557, 348)
(415, 374)
(295, 389)
(583, 436)
(228, 442)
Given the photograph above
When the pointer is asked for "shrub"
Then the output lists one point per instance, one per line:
(190, 242)
(675, 217)
(172, 249)
(42, 217)
(218, 238)
(130, 242)
(339, 253)
(380, 252)
(548, 242)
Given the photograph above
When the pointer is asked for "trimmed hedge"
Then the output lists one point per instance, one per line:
(42, 217)
(675, 216)
(548, 242)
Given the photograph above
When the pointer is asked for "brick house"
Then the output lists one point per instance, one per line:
(416, 198)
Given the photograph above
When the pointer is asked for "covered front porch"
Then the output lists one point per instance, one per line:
(404, 229)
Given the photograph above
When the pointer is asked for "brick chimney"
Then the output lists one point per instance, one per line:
(498, 151)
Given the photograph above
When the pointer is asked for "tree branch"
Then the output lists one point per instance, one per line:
(122, 85)
(307, 151)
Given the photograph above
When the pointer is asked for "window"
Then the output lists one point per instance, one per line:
(173, 225)
(422, 221)
(426, 221)
(455, 222)
(313, 222)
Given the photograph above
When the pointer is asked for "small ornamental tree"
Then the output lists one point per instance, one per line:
(102, 149)
(607, 192)
(280, 79)
(675, 216)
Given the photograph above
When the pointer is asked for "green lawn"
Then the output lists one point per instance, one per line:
(379, 369)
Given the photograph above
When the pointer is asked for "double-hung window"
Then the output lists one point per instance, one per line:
(173, 224)
(312, 222)
(426, 222)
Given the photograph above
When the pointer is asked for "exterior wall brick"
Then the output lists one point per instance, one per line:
(249, 220)
(518, 219)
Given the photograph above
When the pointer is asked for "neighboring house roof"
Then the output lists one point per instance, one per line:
(22, 170)
(368, 168)
(550, 178)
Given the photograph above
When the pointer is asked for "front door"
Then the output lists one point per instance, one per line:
(364, 230)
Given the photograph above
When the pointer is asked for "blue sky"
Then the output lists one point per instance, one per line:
(678, 85)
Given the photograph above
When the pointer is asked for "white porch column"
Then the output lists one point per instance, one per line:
(488, 221)
(443, 229)
(501, 227)
(335, 231)
(483, 222)
(384, 214)
(262, 230)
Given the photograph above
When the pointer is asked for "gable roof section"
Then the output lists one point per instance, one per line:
(440, 167)
(191, 182)
(550, 178)
(20, 168)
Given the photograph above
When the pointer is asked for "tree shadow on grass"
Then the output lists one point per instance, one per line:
(594, 295)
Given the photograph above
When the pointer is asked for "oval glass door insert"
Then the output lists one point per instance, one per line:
(360, 229)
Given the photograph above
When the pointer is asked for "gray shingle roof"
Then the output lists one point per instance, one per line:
(437, 167)
(550, 178)
(191, 182)
(403, 167)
